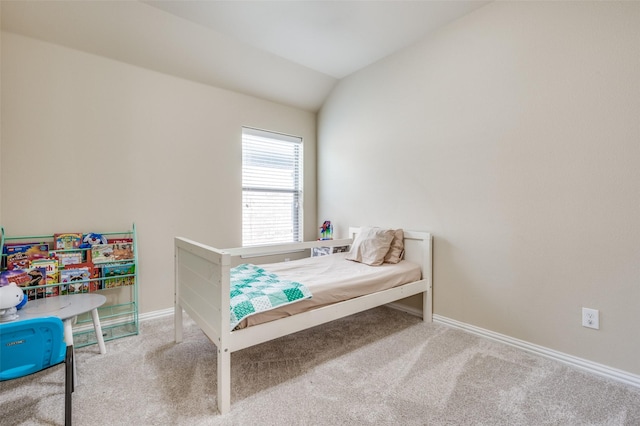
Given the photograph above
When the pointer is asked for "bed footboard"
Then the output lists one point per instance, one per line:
(202, 287)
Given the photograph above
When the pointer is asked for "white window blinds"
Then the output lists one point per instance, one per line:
(271, 188)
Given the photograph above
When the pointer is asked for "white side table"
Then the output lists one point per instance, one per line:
(67, 308)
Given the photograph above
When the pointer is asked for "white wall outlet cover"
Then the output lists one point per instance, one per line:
(591, 318)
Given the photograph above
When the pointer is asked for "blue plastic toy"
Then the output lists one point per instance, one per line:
(92, 239)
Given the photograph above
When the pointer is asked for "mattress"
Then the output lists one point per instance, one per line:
(333, 279)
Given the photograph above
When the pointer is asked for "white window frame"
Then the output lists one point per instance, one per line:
(280, 191)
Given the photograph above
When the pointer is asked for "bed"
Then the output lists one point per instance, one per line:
(203, 286)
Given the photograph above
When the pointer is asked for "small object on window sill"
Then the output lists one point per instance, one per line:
(326, 231)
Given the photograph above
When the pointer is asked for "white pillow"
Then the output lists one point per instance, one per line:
(371, 246)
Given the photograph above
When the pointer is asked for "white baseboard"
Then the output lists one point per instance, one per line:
(404, 308)
(88, 326)
(590, 366)
(156, 314)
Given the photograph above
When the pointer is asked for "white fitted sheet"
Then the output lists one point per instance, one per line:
(333, 279)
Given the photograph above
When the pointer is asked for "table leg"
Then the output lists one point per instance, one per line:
(68, 339)
(68, 331)
(98, 328)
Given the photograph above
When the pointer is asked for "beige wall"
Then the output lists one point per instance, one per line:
(513, 134)
(91, 144)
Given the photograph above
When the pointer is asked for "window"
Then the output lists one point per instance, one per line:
(271, 188)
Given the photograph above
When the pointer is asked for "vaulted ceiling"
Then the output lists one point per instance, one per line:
(291, 52)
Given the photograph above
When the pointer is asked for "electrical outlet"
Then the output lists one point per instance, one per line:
(590, 318)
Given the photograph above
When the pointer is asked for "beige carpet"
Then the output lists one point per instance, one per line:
(379, 367)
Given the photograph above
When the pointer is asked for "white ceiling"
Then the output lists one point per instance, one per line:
(333, 37)
(292, 52)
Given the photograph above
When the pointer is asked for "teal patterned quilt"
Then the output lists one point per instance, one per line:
(255, 290)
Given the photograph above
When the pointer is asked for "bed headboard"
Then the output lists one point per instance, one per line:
(417, 248)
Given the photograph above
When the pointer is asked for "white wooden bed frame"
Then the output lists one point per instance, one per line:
(202, 289)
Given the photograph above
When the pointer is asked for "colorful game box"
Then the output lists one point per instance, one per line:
(51, 268)
(19, 256)
(69, 258)
(115, 275)
(75, 280)
(67, 241)
(104, 253)
(30, 277)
